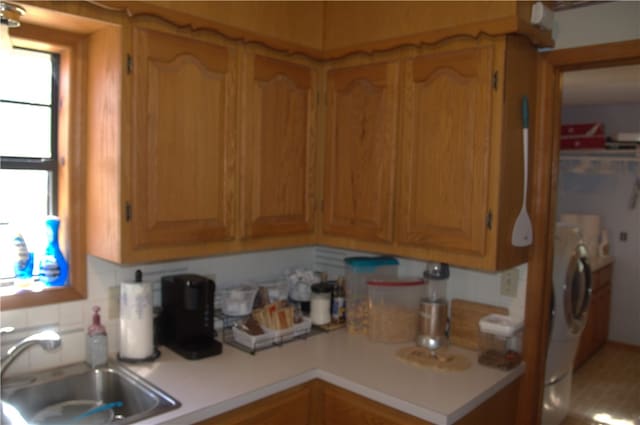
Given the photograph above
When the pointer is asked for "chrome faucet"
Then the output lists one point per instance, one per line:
(49, 340)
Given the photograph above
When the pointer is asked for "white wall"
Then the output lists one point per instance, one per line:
(597, 24)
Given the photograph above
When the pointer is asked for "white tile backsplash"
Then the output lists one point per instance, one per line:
(484, 288)
(43, 316)
(466, 284)
(113, 340)
(41, 359)
(15, 318)
(71, 314)
(73, 318)
(73, 347)
(20, 365)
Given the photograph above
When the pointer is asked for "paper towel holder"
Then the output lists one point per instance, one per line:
(156, 352)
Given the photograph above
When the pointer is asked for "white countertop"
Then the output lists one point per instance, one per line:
(214, 385)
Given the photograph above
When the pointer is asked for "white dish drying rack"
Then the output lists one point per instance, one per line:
(233, 335)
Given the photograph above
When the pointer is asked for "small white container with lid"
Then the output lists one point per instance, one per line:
(321, 303)
(500, 341)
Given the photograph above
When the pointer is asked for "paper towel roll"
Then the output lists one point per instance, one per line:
(136, 320)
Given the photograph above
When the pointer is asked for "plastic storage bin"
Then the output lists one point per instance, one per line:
(393, 309)
(500, 341)
(238, 301)
(358, 270)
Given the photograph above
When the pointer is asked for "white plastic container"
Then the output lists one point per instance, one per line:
(500, 341)
(238, 301)
(278, 290)
(321, 303)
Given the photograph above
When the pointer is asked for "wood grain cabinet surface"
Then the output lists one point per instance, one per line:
(360, 151)
(290, 407)
(183, 161)
(320, 403)
(277, 146)
(429, 164)
(221, 153)
(596, 330)
(446, 135)
(419, 153)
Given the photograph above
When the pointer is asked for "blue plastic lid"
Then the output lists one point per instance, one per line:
(369, 263)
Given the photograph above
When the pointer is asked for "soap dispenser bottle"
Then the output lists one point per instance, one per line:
(97, 350)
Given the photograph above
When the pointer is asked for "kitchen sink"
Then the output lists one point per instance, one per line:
(64, 395)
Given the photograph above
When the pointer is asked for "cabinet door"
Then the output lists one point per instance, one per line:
(360, 152)
(444, 158)
(277, 150)
(602, 303)
(343, 407)
(183, 155)
(292, 406)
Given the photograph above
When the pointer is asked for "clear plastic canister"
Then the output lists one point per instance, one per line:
(358, 270)
(393, 309)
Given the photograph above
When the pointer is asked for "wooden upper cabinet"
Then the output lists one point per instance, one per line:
(277, 147)
(362, 104)
(183, 150)
(457, 160)
(444, 160)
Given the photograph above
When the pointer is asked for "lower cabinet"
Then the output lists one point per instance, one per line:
(318, 403)
(596, 330)
(292, 406)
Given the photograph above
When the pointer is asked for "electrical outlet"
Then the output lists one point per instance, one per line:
(114, 302)
(509, 283)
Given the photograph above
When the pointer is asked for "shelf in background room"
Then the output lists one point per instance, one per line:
(600, 161)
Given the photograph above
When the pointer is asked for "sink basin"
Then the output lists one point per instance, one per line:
(59, 395)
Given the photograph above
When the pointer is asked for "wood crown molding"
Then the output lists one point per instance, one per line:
(501, 26)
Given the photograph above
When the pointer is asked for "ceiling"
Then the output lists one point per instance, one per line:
(601, 86)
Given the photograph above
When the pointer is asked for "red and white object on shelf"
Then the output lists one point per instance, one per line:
(582, 136)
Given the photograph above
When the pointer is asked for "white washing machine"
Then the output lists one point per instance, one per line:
(570, 303)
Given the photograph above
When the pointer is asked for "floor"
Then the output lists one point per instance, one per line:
(606, 389)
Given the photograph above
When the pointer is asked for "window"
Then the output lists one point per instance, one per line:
(28, 160)
(49, 176)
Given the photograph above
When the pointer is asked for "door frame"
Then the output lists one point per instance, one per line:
(544, 180)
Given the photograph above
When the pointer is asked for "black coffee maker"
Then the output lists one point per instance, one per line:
(186, 321)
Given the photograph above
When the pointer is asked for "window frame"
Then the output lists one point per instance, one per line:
(71, 159)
